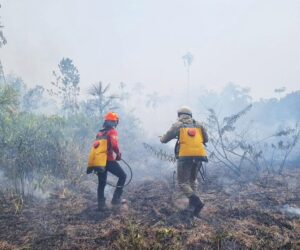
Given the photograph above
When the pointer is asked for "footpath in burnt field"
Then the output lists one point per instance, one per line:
(237, 216)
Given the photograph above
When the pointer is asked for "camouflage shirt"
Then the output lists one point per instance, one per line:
(183, 120)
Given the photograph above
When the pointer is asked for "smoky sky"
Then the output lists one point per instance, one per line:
(253, 43)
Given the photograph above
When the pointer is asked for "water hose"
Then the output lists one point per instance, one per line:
(202, 171)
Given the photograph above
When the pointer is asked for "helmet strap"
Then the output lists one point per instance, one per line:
(182, 113)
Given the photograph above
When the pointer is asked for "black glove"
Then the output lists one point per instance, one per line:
(118, 158)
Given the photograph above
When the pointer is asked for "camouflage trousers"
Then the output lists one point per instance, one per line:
(187, 171)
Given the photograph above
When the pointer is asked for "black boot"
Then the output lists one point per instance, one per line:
(116, 200)
(101, 204)
(196, 203)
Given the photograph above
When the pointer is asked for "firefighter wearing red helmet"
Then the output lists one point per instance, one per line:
(108, 136)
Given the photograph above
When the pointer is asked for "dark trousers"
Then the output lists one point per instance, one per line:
(114, 168)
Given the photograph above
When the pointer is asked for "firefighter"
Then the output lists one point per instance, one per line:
(190, 153)
(106, 159)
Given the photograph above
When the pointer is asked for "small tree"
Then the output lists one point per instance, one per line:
(66, 84)
(287, 139)
(2, 43)
(3, 40)
(226, 149)
(101, 101)
(238, 148)
(9, 99)
(33, 98)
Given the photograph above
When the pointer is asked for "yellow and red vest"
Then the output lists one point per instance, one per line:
(98, 154)
(191, 143)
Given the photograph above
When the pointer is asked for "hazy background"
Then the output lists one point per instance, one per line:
(246, 54)
(251, 43)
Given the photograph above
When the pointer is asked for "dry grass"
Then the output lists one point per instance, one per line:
(236, 216)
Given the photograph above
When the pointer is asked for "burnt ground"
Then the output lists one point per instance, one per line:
(236, 216)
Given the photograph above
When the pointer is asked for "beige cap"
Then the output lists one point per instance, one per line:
(184, 110)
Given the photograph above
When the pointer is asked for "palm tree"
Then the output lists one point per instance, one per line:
(187, 60)
(102, 100)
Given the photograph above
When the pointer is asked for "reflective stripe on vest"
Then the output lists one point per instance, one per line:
(98, 153)
(191, 142)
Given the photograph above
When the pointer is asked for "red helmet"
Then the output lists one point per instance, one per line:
(111, 116)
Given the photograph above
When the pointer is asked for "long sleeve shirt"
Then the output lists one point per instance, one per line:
(112, 143)
(173, 132)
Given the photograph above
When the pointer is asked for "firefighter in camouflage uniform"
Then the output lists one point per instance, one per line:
(190, 152)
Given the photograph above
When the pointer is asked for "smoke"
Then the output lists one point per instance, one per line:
(3, 180)
(290, 211)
